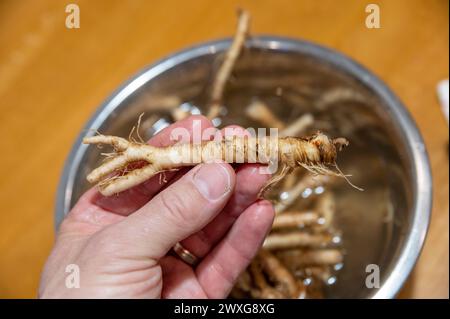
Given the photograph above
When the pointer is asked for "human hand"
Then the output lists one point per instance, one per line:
(122, 243)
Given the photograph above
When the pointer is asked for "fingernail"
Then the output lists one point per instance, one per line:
(212, 180)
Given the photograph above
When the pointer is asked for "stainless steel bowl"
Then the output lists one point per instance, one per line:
(383, 226)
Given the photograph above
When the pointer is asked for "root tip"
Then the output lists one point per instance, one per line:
(340, 143)
(86, 140)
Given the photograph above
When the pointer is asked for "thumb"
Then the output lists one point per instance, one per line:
(180, 210)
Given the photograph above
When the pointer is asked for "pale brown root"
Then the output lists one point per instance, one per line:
(262, 290)
(297, 239)
(127, 181)
(311, 152)
(298, 258)
(267, 293)
(319, 218)
(299, 126)
(295, 219)
(280, 275)
(119, 144)
(326, 207)
(259, 111)
(303, 270)
(226, 67)
(340, 143)
(338, 95)
(106, 168)
(257, 274)
(293, 194)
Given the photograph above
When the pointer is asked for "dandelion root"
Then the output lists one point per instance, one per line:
(306, 258)
(259, 111)
(225, 69)
(299, 126)
(263, 289)
(280, 275)
(295, 219)
(297, 239)
(316, 153)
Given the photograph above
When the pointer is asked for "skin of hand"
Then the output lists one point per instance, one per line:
(122, 244)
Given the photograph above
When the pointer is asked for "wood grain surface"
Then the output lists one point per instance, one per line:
(53, 78)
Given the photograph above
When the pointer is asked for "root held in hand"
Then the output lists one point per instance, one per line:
(133, 162)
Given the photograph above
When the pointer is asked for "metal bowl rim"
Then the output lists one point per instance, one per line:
(422, 189)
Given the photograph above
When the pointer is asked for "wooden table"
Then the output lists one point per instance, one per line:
(53, 78)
